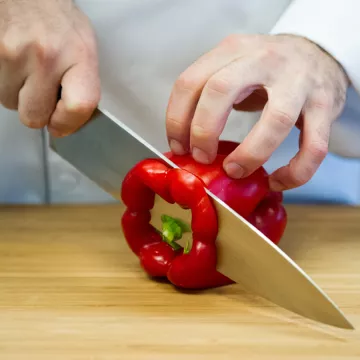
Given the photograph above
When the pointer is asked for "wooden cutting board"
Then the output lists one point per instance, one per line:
(71, 289)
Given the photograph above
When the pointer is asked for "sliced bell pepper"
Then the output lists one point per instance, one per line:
(159, 253)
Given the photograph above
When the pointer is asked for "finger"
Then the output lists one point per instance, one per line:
(37, 99)
(12, 79)
(314, 147)
(186, 92)
(9, 93)
(80, 96)
(278, 118)
(230, 85)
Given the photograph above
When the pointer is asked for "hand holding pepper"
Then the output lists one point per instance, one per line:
(294, 82)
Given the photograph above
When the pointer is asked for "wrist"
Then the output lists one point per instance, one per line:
(344, 78)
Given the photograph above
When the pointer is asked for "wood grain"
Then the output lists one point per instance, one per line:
(71, 289)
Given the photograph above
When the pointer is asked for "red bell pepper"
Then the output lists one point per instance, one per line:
(159, 253)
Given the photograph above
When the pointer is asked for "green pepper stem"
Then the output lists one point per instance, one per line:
(172, 230)
(187, 247)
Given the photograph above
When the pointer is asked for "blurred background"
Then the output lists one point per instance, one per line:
(137, 76)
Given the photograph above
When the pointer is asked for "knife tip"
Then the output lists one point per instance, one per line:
(342, 322)
(348, 325)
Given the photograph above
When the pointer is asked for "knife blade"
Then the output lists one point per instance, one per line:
(105, 149)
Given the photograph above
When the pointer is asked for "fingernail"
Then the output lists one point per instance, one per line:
(234, 170)
(176, 147)
(276, 185)
(200, 155)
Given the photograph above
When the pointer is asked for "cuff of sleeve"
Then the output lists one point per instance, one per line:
(333, 26)
(330, 24)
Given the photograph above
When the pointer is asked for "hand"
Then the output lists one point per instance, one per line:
(45, 44)
(295, 81)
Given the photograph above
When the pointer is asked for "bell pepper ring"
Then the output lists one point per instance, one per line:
(159, 253)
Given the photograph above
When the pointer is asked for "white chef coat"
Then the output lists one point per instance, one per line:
(145, 44)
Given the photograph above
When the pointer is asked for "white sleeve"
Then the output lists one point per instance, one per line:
(335, 26)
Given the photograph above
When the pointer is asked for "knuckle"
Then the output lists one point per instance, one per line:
(299, 180)
(85, 50)
(45, 52)
(219, 85)
(32, 122)
(82, 107)
(249, 159)
(187, 82)
(282, 118)
(33, 114)
(272, 54)
(173, 124)
(340, 98)
(318, 150)
(237, 42)
(299, 177)
(201, 132)
(10, 48)
(322, 101)
(232, 41)
(268, 52)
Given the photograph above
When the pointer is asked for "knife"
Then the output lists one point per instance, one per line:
(105, 149)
